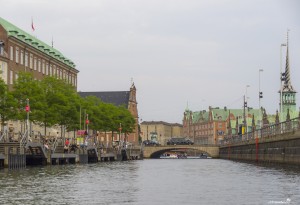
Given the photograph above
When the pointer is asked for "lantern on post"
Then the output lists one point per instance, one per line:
(87, 123)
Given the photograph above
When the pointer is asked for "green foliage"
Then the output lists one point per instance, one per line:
(7, 103)
(25, 88)
(55, 102)
(107, 117)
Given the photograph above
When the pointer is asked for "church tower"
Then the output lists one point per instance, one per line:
(287, 92)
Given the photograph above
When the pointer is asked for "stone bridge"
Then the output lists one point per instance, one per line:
(156, 151)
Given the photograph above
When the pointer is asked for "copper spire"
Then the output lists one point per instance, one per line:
(287, 77)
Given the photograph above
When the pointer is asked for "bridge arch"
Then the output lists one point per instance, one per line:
(155, 152)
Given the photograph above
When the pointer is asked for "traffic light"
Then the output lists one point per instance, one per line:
(260, 94)
(245, 104)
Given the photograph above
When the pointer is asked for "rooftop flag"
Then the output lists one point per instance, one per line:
(32, 26)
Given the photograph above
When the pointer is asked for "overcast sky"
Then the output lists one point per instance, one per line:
(178, 52)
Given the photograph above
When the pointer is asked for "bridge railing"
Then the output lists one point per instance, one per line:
(269, 131)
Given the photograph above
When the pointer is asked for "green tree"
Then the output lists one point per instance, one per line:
(25, 88)
(7, 104)
(62, 103)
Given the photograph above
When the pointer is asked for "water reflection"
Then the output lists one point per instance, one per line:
(151, 182)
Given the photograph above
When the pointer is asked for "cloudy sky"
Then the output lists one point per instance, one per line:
(179, 53)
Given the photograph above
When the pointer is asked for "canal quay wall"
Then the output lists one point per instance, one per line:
(278, 149)
(14, 157)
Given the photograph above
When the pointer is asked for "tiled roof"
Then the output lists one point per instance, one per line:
(117, 98)
(160, 122)
(34, 42)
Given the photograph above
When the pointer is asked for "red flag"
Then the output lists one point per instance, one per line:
(32, 26)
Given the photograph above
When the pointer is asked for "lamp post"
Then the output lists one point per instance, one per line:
(281, 79)
(259, 97)
(120, 129)
(87, 123)
(246, 107)
(27, 109)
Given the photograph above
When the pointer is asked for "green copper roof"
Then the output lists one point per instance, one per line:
(34, 42)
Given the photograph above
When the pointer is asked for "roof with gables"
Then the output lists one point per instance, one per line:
(118, 98)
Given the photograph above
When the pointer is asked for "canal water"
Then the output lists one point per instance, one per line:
(152, 181)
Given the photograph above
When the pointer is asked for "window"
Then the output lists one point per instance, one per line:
(39, 65)
(26, 59)
(17, 55)
(43, 67)
(11, 77)
(16, 76)
(22, 57)
(47, 68)
(34, 63)
(11, 56)
(1, 48)
(50, 71)
(30, 61)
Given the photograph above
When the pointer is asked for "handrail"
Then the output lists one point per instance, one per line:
(54, 145)
(41, 139)
(271, 130)
(23, 140)
(2, 135)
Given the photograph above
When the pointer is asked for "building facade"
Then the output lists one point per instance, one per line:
(20, 51)
(160, 131)
(210, 127)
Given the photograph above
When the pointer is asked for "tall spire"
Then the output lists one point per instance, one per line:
(287, 76)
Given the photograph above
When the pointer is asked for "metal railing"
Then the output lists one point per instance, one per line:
(2, 136)
(273, 130)
(54, 145)
(23, 139)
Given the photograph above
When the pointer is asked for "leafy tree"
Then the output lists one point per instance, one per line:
(7, 104)
(25, 88)
(126, 119)
(62, 103)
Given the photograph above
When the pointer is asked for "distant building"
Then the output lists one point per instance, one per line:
(119, 98)
(160, 131)
(20, 51)
(287, 93)
(210, 127)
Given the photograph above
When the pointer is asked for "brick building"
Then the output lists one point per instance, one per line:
(210, 127)
(20, 51)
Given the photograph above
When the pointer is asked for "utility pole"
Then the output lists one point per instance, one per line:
(27, 109)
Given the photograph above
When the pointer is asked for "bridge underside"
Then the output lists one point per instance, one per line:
(156, 152)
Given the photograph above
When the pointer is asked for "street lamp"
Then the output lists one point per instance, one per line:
(27, 109)
(87, 123)
(259, 97)
(281, 79)
(246, 107)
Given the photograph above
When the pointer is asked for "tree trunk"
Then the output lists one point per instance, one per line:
(45, 128)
